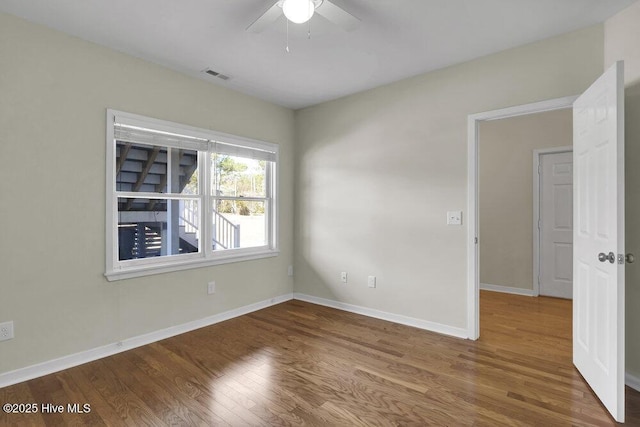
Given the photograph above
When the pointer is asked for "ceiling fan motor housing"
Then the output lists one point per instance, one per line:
(316, 3)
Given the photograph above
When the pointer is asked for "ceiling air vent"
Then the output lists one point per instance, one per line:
(216, 74)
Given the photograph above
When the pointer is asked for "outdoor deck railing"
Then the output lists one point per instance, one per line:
(226, 235)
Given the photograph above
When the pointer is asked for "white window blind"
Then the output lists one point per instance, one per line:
(139, 135)
(244, 151)
(125, 133)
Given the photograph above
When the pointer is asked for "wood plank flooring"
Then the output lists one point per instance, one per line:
(302, 364)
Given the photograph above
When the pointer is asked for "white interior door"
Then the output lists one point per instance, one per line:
(556, 224)
(598, 237)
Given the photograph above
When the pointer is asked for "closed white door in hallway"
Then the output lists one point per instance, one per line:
(556, 224)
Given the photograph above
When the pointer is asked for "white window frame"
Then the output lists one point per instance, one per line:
(125, 269)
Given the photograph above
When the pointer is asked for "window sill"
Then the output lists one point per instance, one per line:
(148, 270)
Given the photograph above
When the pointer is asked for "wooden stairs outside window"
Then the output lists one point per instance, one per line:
(143, 221)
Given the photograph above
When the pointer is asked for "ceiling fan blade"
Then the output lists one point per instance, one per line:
(338, 16)
(265, 19)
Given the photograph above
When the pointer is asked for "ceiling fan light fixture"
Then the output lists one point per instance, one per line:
(298, 11)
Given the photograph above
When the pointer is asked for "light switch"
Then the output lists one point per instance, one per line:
(454, 218)
(371, 281)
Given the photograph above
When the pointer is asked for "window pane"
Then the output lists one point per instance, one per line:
(187, 181)
(157, 227)
(234, 176)
(155, 169)
(239, 224)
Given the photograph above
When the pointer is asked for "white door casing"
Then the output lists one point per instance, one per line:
(556, 224)
(598, 302)
(473, 272)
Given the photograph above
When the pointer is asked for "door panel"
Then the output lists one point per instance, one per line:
(563, 268)
(598, 304)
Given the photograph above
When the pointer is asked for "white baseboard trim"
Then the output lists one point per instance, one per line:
(507, 289)
(632, 381)
(66, 362)
(391, 317)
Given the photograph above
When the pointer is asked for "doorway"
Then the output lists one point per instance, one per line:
(599, 226)
(473, 309)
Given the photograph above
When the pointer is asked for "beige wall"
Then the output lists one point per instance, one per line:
(377, 172)
(54, 90)
(506, 192)
(622, 42)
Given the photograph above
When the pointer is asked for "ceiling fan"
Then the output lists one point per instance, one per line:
(300, 11)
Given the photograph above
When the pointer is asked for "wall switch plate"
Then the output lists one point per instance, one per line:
(371, 281)
(290, 271)
(6, 331)
(211, 287)
(343, 277)
(454, 218)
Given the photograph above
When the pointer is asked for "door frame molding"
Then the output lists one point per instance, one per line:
(537, 154)
(473, 273)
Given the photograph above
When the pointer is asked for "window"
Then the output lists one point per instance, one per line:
(180, 197)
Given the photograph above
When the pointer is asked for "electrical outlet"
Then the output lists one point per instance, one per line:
(6, 331)
(290, 271)
(371, 281)
(454, 218)
(343, 277)
(211, 288)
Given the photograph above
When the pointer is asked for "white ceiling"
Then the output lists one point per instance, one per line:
(396, 38)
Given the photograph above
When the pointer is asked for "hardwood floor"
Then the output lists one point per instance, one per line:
(302, 364)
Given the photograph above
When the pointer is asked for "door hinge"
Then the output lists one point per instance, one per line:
(539, 224)
(539, 168)
(475, 240)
